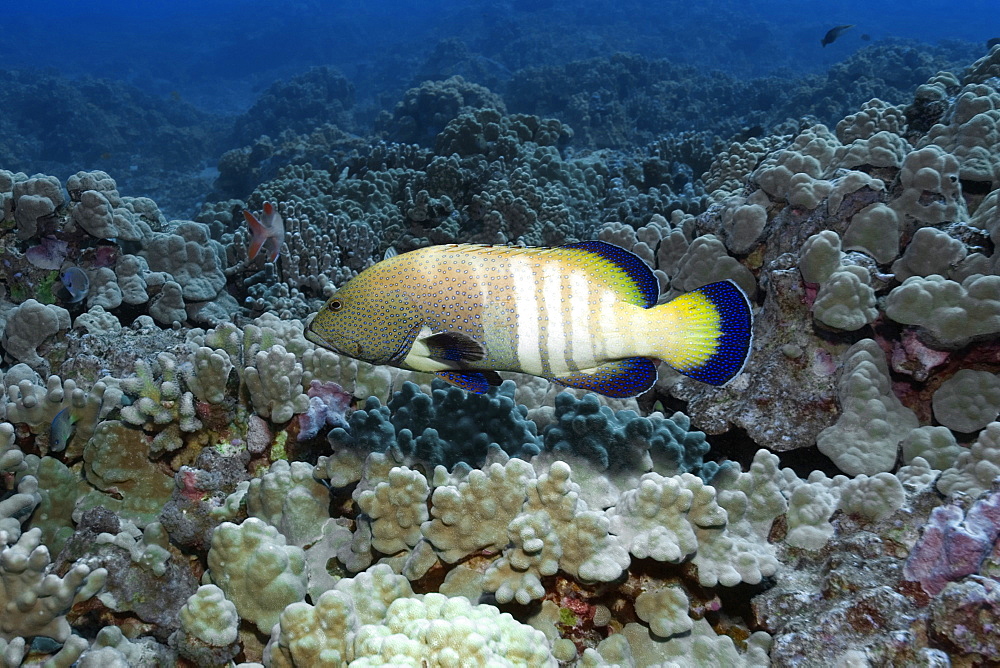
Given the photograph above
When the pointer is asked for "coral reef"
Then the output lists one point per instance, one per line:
(186, 478)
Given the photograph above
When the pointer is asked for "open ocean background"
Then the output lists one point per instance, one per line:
(204, 64)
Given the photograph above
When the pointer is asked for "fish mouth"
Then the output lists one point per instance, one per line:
(318, 339)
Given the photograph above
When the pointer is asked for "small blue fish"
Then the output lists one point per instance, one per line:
(76, 283)
(61, 430)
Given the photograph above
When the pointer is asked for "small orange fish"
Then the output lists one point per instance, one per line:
(268, 231)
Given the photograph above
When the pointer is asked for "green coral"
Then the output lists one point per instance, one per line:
(160, 399)
(257, 570)
(116, 461)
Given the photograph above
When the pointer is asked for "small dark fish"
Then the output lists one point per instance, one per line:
(866, 37)
(833, 33)
(61, 430)
(990, 43)
(748, 132)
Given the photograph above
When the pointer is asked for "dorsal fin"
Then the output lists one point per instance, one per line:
(628, 275)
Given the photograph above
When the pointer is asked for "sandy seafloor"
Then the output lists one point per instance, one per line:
(187, 480)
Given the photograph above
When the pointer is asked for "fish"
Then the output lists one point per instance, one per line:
(76, 282)
(833, 33)
(61, 430)
(583, 315)
(865, 37)
(266, 232)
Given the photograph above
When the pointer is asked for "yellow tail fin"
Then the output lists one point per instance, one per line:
(710, 332)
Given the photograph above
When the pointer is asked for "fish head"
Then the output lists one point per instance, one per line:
(271, 219)
(375, 327)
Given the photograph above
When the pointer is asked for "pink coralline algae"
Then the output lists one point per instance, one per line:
(951, 547)
(912, 357)
(105, 256)
(188, 484)
(49, 254)
(967, 615)
(328, 406)
(259, 434)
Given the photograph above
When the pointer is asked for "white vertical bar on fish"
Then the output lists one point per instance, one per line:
(608, 342)
(526, 308)
(583, 339)
(551, 288)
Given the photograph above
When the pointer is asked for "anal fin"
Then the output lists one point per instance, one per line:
(622, 379)
(478, 382)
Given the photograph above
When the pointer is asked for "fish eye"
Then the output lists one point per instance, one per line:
(335, 305)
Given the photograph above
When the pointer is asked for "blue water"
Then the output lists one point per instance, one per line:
(219, 52)
(217, 58)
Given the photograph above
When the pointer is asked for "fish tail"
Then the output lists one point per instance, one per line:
(258, 234)
(706, 334)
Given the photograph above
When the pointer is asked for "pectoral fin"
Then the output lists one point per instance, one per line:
(473, 381)
(453, 347)
(624, 378)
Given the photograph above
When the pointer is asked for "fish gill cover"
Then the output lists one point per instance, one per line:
(186, 477)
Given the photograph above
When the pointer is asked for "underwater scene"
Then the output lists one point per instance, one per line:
(500, 333)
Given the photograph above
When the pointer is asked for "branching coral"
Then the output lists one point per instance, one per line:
(346, 627)
(258, 572)
(555, 531)
(160, 399)
(475, 514)
(34, 600)
(397, 508)
(275, 384)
